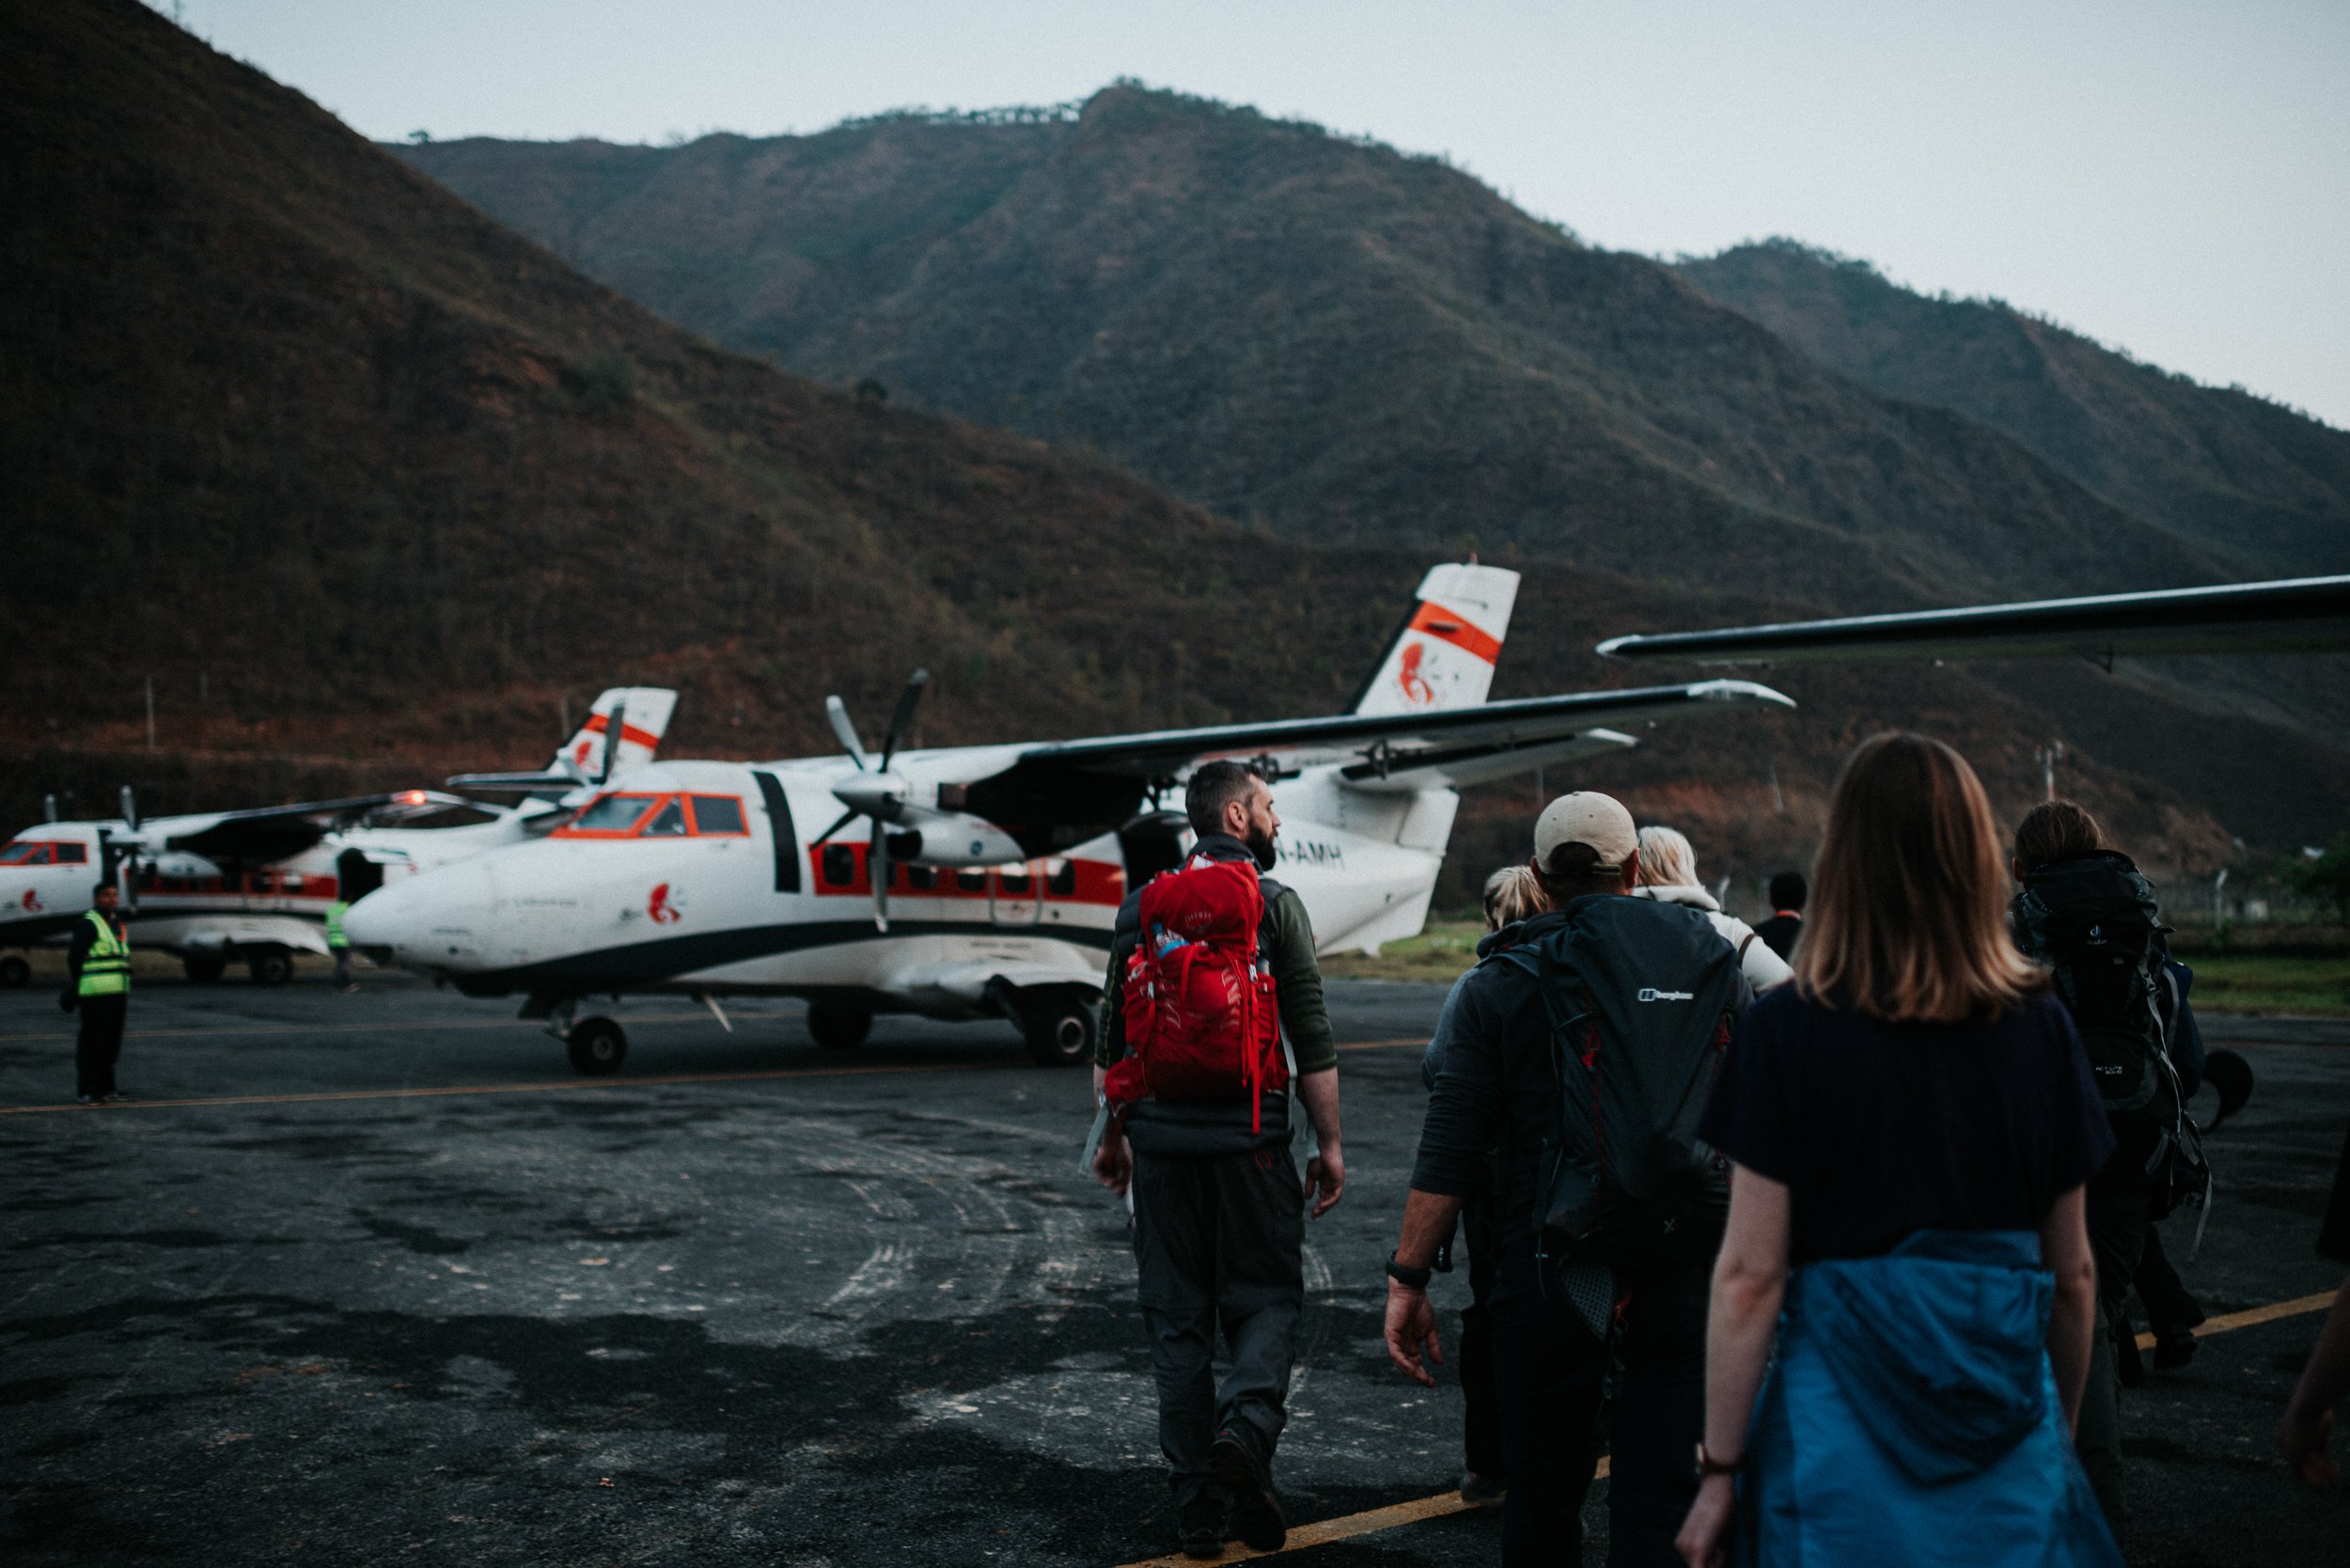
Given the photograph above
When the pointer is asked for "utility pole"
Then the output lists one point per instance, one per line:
(2048, 757)
(150, 713)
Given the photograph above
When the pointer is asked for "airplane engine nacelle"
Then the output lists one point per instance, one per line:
(925, 837)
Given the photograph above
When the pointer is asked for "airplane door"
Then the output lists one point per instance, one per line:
(1015, 894)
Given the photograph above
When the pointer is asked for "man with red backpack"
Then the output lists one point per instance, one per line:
(1585, 1050)
(1212, 1028)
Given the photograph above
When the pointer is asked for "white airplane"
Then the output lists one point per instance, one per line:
(254, 886)
(993, 872)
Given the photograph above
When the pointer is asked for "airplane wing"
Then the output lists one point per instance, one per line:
(2301, 614)
(1097, 779)
(274, 832)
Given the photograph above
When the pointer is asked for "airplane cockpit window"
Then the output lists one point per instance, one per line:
(668, 822)
(26, 855)
(718, 814)
(611, 814)
(71, 855)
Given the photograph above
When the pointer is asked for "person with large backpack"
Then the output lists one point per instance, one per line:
(1585, 1049)
(2085, 912)
(1213, 1030)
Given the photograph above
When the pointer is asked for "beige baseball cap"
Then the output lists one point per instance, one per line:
(1587, 817)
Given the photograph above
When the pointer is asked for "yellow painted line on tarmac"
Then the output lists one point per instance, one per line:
(555, 1086)
(1345, 1528)
(2297, 1306)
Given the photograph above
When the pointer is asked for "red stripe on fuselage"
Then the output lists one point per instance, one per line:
(1447, 626)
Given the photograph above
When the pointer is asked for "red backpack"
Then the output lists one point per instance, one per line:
(1202, 1019)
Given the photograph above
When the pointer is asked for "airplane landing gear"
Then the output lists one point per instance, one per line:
(15, 974)
(597, 1046)
(1060, 1028)
(203, 971)
(268, 966)
(839, 1025)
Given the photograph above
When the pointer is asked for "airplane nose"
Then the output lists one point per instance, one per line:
(433, 920)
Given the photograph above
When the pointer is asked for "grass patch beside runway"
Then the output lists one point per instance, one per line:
(2301, 984)
(2268, 984)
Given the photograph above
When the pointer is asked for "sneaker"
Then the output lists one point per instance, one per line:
(2173, 1352)
(1256, 1512)
(1202, 1523)
(1484, 1491)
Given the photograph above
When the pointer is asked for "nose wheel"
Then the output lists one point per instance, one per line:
(597, 1046)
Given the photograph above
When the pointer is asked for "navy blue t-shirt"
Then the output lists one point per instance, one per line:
(1879, 1129)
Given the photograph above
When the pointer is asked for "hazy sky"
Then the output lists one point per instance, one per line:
(2171, 179)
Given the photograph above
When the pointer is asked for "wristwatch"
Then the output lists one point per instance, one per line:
(1708, 1465)
(1410, 1278)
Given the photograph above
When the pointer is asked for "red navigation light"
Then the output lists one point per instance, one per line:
(411, 797)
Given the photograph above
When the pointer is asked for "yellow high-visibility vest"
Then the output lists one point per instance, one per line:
(106, 972)
(335, 940)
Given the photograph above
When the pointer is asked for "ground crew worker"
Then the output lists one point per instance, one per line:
(1219, 1210)
(97, 982)
(339, 945)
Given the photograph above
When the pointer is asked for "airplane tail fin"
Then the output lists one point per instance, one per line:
(1443, 655)
(644, 719)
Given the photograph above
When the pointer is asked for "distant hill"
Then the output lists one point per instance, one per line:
(1344, 343)
(370, 484)
(2234, 471)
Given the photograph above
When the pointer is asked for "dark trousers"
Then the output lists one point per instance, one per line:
(2172, 1310)
(99, 1045)
(342, 966)
(1220, 1240)
(1480, 1434)
(2118, 1202)
(1551, 1374)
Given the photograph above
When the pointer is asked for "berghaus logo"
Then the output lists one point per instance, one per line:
(1650, 994)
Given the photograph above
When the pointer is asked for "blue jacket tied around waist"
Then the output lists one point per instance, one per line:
(1912, 1416)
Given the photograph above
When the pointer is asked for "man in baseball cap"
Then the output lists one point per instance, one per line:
(1559, 1302)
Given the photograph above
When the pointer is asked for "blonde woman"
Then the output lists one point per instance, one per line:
(1668, 874)
(1910, 1125)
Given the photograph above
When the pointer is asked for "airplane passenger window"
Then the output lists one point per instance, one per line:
(717, 814)
(71, 855)
(971, 881)
(26, 854)
(611, 814)
(1015, 884)
(668, 822)
(839, 866)
(1060, 879)
(921, 878)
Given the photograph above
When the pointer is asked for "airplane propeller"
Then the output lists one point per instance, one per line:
(874, 792)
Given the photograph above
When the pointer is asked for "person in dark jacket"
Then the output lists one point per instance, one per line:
(1514, 895)
(1558, 1325)
(1779, 933)
(1219, 1211)
(97, 982)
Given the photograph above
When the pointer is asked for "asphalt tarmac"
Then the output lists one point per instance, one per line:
(375, 1278)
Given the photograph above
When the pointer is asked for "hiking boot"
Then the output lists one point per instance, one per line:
(1201, 1522)
(2174, 1351)
(1256, 1512)
(1484, 1491)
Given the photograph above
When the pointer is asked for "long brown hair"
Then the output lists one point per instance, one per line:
(1909, 917)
